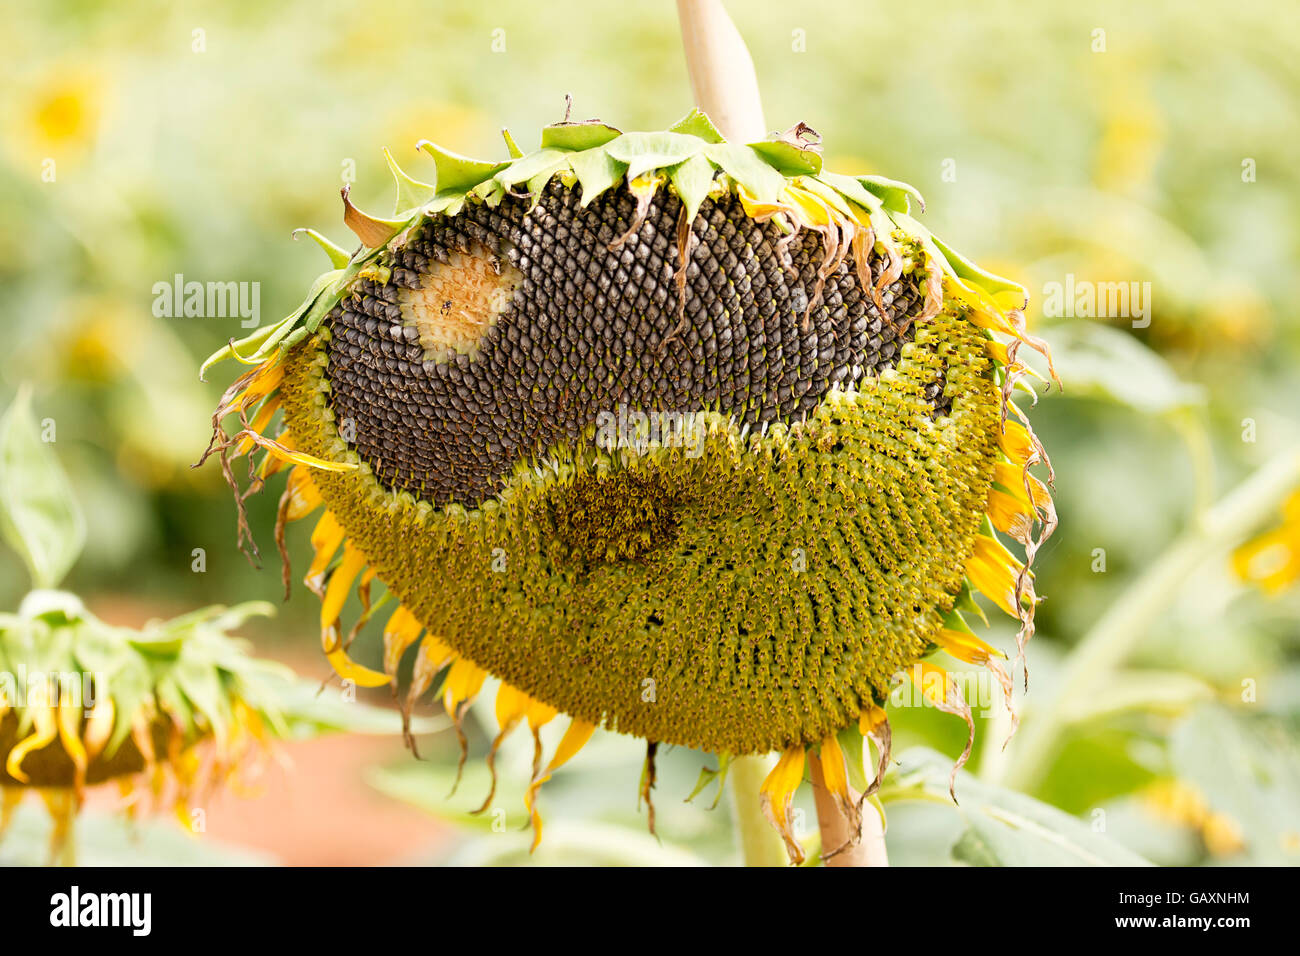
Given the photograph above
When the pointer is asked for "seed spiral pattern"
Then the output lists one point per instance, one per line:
(590, 329)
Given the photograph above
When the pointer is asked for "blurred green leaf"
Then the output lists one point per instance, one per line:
(1097, 361)
(1002, 827)
(1249, 770)
(1168, 692)
(310, 709)
(38, 514)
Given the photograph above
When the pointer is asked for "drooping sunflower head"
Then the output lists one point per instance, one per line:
(691, 440)
(171, 709)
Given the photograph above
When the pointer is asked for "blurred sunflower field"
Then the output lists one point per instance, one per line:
(1129, 164)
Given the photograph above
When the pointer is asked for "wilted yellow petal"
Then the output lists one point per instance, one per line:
(325, 540)
(993, 571)
(99, 727)
(1017, 444)
(776, 795)
(966, 647)
(347, 668)
(511, 706)
(69, 719)
(258, 425)
(574, 739)
(401, 631)
(282, 451)
(45, 728)
(340, 583)
(872, 716)
(302, 497)
(463, 683)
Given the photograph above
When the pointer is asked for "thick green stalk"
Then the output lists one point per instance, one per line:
(760, 844)
(1124, 624)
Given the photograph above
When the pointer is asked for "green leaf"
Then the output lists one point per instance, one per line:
(692, 180)
(39, 517)
(338, 256)
(697, 123)
(1159, 692)
(1002, 827)
(748, 168)
(646, 151)
(851, 188)
(968, 271)
(895, 195)
(578, 136)
(456, 173)
(173, 702)
(410, 192)
(789, 158)
(708, 775)
(202, 685)
(131, 684)
(1098, 361)
(263, 342)
(511, 146)
(596, 171)
(545, 162)
(1248, 769)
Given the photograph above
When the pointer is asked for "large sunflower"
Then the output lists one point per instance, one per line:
(691, 440)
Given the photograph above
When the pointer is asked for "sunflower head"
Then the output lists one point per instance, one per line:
(691, 440)
(169, 709)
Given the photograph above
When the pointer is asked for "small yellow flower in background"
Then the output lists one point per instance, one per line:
(60, 116)
(1180, 803)
(1272, 560)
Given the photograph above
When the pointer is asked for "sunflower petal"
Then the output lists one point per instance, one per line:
(99, 727)
(966, 647)
(776, 795)
(836, 779)
(463, 683)
(325, 540)
(69, 719)
(45, 727)
(402, 630)
(511, 706)
(574, 739)
(942, 691)
(995, 573)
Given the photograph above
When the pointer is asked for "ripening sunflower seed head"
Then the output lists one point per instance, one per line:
(690, 440)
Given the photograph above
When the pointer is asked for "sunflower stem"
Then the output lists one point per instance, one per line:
(721, 69)
(68, 849)
(1128, 620)
(864, 848)
(760, 844)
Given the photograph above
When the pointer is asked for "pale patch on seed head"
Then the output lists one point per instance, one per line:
(459, 301)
